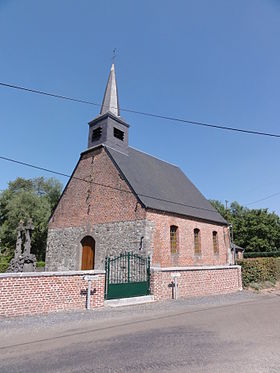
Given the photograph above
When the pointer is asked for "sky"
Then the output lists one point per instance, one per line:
(212, 61)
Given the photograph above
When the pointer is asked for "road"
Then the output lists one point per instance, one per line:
(236, 335)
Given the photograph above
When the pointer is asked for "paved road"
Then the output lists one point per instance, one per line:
(235, 334)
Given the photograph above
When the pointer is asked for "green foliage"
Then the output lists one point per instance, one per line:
(256, 230)
(4, 263)
(40, 264)
(260, 270)
(25, 198)
(274, 254)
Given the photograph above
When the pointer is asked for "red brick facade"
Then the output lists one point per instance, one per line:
(39, 293)
(186, 255)
(85, 203)
(198, 281)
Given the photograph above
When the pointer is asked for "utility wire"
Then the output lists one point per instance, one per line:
(121, 190)
(174, 119)
(263, 199)
(96, 183)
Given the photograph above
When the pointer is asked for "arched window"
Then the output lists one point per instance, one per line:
(197, 245)
(215, 242)
(173, 239)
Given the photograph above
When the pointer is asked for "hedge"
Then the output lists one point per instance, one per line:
(266, 254)
(260, 270)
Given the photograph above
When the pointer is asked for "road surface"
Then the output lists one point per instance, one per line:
(233, 335)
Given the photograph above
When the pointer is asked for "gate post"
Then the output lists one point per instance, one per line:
(149, 275)
(128, 267)
(107, 276)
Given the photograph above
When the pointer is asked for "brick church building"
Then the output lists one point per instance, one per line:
(121, 199)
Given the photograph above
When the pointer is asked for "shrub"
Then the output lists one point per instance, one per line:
(40, 264)
(260, 270)
(267, 254)
(4, 263)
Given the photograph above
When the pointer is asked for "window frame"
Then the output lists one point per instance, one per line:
(96, 134)
(197, 242)
(174, 239)
(215, 241)
(118, 134)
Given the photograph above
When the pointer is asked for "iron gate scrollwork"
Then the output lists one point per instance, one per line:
(127, 275)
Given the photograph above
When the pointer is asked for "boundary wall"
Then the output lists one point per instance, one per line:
(195, 281)
(23, 294)
(43, 292)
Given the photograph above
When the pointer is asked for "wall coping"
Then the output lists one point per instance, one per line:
(50, 274)
(193, 268)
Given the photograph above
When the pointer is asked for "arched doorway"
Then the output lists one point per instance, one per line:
(88, 253)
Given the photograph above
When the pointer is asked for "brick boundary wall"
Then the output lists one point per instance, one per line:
(23, 294)
(196, 281)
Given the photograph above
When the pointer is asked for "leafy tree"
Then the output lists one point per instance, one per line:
(25, 198)
(254, 229)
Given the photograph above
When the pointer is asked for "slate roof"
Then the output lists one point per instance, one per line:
(162, 186)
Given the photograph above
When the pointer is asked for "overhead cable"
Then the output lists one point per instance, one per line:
(169, 118)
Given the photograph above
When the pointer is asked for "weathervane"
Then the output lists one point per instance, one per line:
(114, 55)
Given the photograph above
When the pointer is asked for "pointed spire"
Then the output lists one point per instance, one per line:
(111, 100)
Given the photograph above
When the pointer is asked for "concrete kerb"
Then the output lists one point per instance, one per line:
(193, 268)
(51, 274)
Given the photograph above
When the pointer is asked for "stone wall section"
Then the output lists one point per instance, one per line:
(39, 293)
(186, 256)
(194, 282)
(64, 249)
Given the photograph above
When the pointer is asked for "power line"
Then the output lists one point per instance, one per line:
(95, 183)
(111, 187)
(174, 119)
(263, 199)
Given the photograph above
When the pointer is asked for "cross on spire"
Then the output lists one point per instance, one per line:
(114, 55)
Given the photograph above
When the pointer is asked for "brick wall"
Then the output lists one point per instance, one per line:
(199, 281)
(38, 293)
(185, 246)
(84, 203)
(111, 215)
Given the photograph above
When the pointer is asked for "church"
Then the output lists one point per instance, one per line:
(120, 199)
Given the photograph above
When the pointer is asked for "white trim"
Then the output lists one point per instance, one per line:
(50, 274)
(197, 268)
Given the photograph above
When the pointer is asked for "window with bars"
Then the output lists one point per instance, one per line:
(96, 134)
(197, 245)
(173, 239)
(215, 242)
(118, 134)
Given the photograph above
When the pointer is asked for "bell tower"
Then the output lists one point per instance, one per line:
(108, 128)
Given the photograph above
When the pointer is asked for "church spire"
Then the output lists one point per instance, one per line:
(111, 100)
(108, 128)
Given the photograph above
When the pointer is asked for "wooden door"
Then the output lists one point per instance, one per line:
(88, 255)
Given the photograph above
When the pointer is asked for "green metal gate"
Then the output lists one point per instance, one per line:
(127, 275)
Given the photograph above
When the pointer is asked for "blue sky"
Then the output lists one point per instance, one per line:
(215, 61)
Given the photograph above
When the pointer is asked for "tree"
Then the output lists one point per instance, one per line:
(23, 199)
(256, 230)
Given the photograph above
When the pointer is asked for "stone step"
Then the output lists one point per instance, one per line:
(129, 301)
